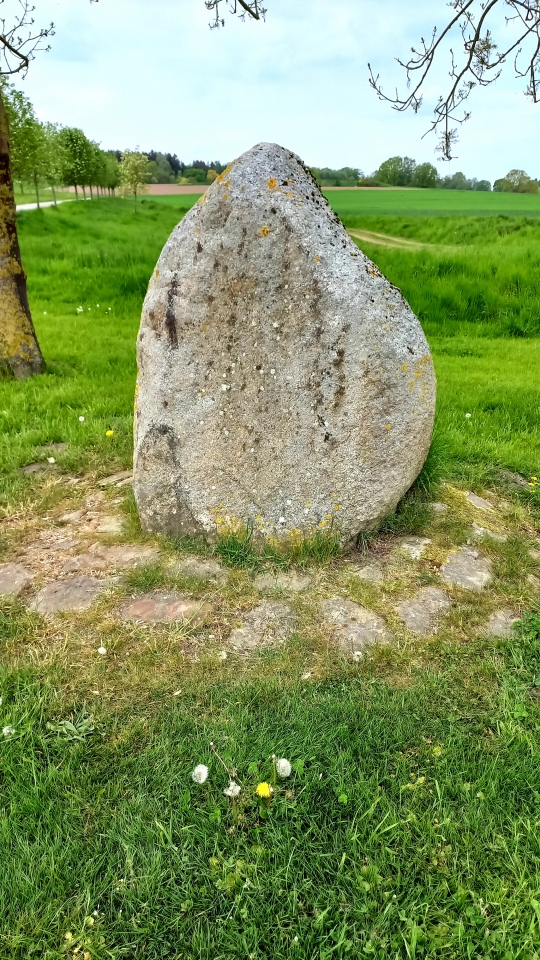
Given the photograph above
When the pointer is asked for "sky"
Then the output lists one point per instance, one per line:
(151, 74)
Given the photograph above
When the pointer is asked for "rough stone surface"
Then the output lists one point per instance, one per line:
(14, 578)
(421, 613)
(439, 507)
(169, 607)
(501, 623)
(479, 502)
(467, 568)
(371, 572)
(290, 581)
(64, 596)
(353, 625)
(282, 379)
(202, 569)
(534, 554)
(415, 546)
(269, 622)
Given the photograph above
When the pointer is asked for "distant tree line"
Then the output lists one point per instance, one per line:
(167, 168)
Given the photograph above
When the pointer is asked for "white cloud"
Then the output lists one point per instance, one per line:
(133, 73)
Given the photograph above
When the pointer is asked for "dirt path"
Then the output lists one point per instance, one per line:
(384, 240)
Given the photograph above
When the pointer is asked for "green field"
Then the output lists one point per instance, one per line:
(410, 825)
(408, 203)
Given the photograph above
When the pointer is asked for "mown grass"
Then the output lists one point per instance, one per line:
(409, 827)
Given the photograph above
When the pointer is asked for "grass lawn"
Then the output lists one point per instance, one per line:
(409, 827)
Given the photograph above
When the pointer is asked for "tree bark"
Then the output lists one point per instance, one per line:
(20, 355)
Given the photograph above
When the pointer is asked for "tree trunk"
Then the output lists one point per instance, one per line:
(19, 350)
(54, 194)
(76, 192)
(84, 191)
(91, 194)
(37, 188)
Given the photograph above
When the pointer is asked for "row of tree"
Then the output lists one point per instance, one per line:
(46, 154)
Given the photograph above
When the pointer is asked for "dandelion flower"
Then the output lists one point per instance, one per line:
(8, 731)
(264, 790)
(233, 790)
(283, 768)
(200, 773)
(109, 433)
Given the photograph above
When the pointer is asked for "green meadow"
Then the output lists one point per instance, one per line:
(409, 827)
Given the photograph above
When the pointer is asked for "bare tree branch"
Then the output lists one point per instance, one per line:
(478, 63)
(20, 39)
(249, 7)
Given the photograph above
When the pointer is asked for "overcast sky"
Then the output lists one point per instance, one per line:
(151, 74)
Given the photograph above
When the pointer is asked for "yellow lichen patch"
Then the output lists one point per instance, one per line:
(202, 198)
(225, 196)
(317, 259)
(272, 183)
(264, 231)
(289, 194)
(388, 426)
(221, 177)
(404, 366)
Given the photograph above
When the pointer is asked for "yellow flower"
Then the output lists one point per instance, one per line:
(264, 790)
(109, 433)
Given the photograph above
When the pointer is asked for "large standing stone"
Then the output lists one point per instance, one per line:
(282, 379)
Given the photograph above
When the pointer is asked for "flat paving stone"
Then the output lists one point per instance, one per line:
(271, 621)
(421, 613)
(291, 581)
(481, 533)
(64, 596)
(534, 554)
(116, 478)
(468, 569)
(354, 626)
(439, 507)
(166, 607)
(371, 572)
(415, 546)
(203, 569)
(14, 578)
(501, 623)
(110, 525)
(41, 467)
(101, 557)
(479, 502)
